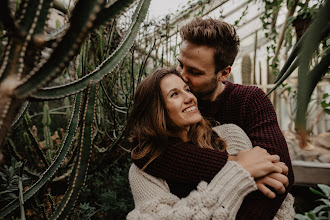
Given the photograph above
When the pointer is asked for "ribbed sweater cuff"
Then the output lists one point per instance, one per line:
(232, 184)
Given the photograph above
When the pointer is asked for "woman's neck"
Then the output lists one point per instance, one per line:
(183, 134)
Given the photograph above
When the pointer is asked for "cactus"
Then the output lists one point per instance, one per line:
(21, 79)
(246, 69)
(25, 75)
(47, 134)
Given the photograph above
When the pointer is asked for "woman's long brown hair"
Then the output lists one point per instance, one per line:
(149, 127)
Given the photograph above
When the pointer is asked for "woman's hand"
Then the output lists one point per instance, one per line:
(258, 162)
(277, 181)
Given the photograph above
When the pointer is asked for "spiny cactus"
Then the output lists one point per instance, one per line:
(24, 73)
(246, 69)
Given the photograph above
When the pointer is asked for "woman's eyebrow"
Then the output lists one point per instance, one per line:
(171, 90)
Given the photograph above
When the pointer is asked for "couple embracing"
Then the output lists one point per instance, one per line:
(223, 157)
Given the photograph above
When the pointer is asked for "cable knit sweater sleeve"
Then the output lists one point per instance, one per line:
(220, 199)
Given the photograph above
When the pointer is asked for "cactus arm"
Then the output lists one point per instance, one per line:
(81, 22)
(6, 16)
(21, 114)
(79, 172)
(112, 11)
(27, 15)
(64, 148)
(46, 120)
(34, 141)
(43, 17)
(8, 53)
(8, 112)
(122, 109)
(105, 67)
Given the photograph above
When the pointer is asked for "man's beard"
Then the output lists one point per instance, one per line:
(208, 89)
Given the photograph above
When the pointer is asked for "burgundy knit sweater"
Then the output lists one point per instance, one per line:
(183, 165)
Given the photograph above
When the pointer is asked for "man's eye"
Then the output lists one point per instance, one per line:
(180, 64)
(174, 94)
(196, 73)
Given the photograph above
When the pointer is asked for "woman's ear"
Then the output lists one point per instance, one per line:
(224, 73)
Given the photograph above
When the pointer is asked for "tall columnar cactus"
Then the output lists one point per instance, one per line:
(246, 69)
(25, 74)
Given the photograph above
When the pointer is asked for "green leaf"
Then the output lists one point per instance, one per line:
(328, 42)
(301, 217)
(325, 201)
(311, 215)
(318, 208)
(317, 192)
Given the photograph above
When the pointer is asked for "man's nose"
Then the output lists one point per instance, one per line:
(184, 75)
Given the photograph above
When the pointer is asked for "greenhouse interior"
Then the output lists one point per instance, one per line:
(69, 71)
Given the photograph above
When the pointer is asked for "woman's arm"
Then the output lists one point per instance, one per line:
(220, 199)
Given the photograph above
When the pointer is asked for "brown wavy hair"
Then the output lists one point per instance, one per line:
(214, 34)
(149, 126)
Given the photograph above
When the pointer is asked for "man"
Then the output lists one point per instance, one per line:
(208, 50)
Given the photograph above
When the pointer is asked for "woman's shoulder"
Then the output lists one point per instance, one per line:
(234, 136)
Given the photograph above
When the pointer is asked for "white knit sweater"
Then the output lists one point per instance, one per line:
(220, 199)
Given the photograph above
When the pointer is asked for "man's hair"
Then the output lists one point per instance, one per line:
(149, 126)
(214, 34)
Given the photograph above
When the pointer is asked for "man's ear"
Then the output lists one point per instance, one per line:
(224, 73)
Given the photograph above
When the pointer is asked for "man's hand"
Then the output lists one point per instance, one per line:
(277, 181)
(258, 162)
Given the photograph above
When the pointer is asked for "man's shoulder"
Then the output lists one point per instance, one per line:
(246, 90)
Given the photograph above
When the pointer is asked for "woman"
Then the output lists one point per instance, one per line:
(165, 113)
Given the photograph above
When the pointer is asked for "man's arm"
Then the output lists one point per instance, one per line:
(263, 130)
(185, 162)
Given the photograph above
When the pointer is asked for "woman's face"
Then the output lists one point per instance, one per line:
(180, 103)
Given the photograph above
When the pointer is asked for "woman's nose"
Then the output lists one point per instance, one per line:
(189, 97)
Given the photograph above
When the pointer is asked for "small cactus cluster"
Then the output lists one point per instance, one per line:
(25, 75)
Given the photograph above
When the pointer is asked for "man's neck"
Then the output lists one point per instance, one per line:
(221, 87)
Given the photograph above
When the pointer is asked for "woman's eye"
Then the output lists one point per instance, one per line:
(188, 90)
(174, 94)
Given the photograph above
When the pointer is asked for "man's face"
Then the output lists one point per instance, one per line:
(196, 66)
